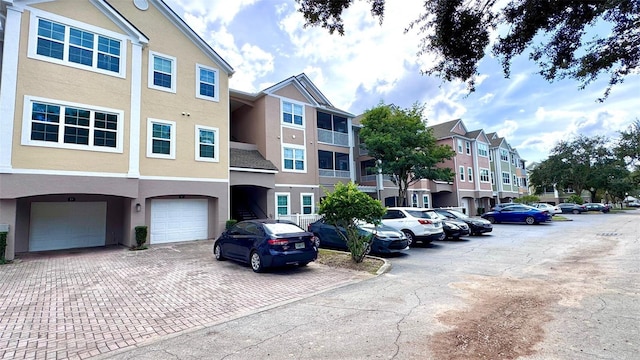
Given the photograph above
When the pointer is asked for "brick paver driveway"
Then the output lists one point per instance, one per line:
(84, 303)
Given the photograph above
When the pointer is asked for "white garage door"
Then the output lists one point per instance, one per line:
(67, 225)
(175, 220)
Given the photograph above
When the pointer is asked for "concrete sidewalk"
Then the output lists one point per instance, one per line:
(79, 304)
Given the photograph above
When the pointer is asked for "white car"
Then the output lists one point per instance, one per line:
(420, 225)
(552, 209)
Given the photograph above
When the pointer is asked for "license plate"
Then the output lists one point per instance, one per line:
(299, 245)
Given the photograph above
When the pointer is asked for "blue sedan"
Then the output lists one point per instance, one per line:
(518, 213)
(266, 243)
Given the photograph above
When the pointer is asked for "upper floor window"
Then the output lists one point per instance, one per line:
(161, 139)
(506, 178)
(162, 72)
(293, 159)
(504, 155)
(513, 160)
(207, 83)
(470, 174)
(66, 125)
(467, 145)
(460, 146)
(292, 113)
(483, 149)
(333, 164)
(484, 175)
(207, 143)
(72, 43)
(461, 173)
(333, 129)
(493, 181)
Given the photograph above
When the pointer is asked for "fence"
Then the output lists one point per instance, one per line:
(303, 220)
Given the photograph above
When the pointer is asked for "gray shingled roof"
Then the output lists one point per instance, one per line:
(441, 131)
(249, 159)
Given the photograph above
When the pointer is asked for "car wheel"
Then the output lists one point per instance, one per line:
(530, 220)
(256, 262)
(491, 219)
(442, 236)
(575, 211)
(217, 252)
(410, 237)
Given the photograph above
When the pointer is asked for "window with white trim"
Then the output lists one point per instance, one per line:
(467, 145)
(504, 155)
(207, 143)
(283, 203)
(161, 139)
(506, 178)
(470, 174)
(515, 180)
(68, 42)
(162, 72)
(207, 83)
(460, 146)
(425, 201)
(484, 175)
(483, 149)
(493, 178)
(306, 203)
(53, 123)
(292, 113)
(293, 159)
(461, 173)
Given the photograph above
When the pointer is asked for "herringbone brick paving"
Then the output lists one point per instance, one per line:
(84, 303)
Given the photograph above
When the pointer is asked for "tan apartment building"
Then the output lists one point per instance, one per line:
(114, 114)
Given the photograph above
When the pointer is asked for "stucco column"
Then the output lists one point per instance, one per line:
(8, 217)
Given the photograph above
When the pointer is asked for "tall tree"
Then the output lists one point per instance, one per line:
(407, 149)
(458, 32)
(628, 146)
(582, 163)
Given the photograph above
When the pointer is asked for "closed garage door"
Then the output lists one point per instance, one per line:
(175, 220)
(67, 225)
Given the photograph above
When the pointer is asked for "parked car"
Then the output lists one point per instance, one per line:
(597, 207)
(265, 243)
(518, 213)
(418, 224)
(386, 240)
(571, 208)
(498, 207)
(552, 209)
(634, 203)
(477, 226)
(453, 228)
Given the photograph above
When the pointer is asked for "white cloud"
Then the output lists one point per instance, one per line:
(210, 11)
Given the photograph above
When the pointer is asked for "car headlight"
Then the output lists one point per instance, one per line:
(454, 227)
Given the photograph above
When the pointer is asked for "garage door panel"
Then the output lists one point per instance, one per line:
(174, 220)
(67, 225)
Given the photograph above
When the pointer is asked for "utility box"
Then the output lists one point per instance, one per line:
(4, 228)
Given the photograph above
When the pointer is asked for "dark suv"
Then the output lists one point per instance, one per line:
(571, 208)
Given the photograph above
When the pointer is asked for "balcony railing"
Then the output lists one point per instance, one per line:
(333, 137)
(303, 220)
(334, 173)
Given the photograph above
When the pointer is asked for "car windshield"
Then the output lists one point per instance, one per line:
(371, 228)
(282, 228)
(458, 214)
(421, 214)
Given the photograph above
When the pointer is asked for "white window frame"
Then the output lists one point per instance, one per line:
(302, 206)
(461, 169)
(293, 104)
(304, 154)
(493, 178)
(425, 201)
(507, 178)
(216, 83)
(32, 51)
(288, 196)
(467, 146)
(484, 173)
(216, 143)
(483, 149)
(504, 155)
(172, 145)
(174, 74)
(26, 126)
(515, 180)
(460, 146)
(470, 174)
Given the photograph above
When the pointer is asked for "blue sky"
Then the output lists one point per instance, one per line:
(265, 42)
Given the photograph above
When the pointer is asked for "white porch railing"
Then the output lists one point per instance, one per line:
(303, 220)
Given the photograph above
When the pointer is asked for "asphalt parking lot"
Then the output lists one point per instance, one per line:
(84, 303)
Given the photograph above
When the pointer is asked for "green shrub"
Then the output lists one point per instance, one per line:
(230, 223)
(3, 246)
(480, 210)
(575, 198)
(141, 237)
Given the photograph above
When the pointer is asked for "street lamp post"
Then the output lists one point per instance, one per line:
(379, 179)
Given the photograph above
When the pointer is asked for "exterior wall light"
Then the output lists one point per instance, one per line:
(138, 207)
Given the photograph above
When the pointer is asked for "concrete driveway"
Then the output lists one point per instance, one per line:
(78, 304)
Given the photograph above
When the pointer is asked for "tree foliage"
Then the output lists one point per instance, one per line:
(628, 146)
(527, 199)
(407, 149)
(344, 208)
(582, 163)
(458, 32)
